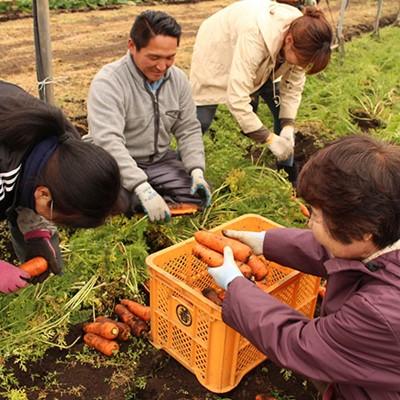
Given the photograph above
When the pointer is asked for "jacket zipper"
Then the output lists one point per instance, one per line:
(156, 109)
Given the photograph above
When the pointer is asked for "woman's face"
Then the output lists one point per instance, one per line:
(289, 52)
(356, 250)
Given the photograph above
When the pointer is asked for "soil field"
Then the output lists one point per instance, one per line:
(83, 42)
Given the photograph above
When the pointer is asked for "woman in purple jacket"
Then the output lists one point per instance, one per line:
(352, 350)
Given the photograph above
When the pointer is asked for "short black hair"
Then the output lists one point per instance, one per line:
(151, 23)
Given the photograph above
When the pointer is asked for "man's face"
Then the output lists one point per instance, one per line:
(155, 59)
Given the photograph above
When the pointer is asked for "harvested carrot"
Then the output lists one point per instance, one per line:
(183, 208)
(123, 313)
(304, 210)
(246, 270)
(141, 311)
(264, 397)
(35, 266)
(105, 346)
(211, 257)
(212, 295)
(258, 267)
(221, 295)
(107, 330)
(217, 242)
(138, 326)
(124, 330)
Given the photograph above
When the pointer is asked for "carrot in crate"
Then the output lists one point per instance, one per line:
(107, 330)
(124, 330)
(35, 266)
(258, 267)
(211, 295)
(217, 242)
(141, 311)
(211, 257)
(246, 270)
(105, 346)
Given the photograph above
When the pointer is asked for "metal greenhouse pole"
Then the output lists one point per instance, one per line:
(41, 29)
(339, 29)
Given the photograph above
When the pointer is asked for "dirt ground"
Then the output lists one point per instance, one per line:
(82, 42)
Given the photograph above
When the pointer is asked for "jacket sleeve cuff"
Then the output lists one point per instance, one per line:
(260, 135)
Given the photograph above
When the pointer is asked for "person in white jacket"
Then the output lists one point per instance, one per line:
(240, 52)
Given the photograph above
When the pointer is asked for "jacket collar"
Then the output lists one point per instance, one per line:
(136, 73)
(384, 264)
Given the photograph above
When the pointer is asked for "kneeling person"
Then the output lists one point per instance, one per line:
(136, 106)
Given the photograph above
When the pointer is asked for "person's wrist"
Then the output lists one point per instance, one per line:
(37, 234)
(197, 173)
(270, 138)
(142, 188)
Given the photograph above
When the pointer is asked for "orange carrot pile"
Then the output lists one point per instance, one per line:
(209, 248)
(35, 266)
(102, 333)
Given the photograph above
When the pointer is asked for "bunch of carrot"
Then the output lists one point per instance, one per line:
(103, 332)
(209, 248)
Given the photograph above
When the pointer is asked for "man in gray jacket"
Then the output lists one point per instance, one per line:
(135, 107)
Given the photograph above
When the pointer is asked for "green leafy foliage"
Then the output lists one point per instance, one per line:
(366, 82)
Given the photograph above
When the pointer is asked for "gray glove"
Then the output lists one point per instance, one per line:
(253, 239)
(200, 186)
(153, 204)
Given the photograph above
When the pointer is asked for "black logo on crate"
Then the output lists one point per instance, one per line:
(184, 315)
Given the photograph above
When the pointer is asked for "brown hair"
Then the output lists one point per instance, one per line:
(312, 38)
(355, 181)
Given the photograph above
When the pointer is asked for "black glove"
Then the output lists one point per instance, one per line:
(41, 242)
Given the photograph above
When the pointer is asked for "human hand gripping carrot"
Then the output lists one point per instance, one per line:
(12, 278)
(255, 240)
(227, 272)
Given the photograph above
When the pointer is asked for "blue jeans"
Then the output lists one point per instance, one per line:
(206, 114)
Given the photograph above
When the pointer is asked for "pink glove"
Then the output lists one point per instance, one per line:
(11, 278)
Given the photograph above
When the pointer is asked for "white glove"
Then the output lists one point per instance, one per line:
(253, 239)
(153, 204)
(280, 147)
(200, 186)
(287, 132)
(227, 272)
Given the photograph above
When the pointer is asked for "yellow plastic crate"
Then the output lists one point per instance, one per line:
(189, 326)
